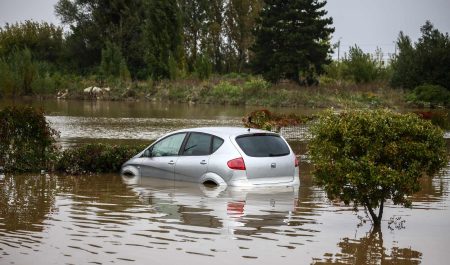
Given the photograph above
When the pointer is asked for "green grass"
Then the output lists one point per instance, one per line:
(235, 89)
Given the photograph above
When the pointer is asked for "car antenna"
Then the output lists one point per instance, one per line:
(248, 130)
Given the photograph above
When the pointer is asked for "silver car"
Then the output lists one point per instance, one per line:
(219, 156)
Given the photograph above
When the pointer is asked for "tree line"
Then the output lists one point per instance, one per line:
(157, 39)
(170, 39)
(162, 39)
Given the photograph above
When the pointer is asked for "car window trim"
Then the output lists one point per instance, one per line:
(183, 145)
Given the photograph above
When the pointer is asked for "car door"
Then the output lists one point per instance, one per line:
(194, 157)
(159, 160)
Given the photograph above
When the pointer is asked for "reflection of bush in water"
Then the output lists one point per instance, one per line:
(370, 250)
(26, 200)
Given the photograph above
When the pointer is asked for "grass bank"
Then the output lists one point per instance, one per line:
(235, 89)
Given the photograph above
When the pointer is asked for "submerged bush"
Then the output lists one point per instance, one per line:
(368, 157)
(96, 158)
(27, 143)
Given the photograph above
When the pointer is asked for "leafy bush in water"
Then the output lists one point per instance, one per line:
(432, 94)
(27, 143)
(266, 120)
(368, 157)
(95, 158)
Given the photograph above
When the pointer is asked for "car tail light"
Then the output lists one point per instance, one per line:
(296, 162)
(237, 163)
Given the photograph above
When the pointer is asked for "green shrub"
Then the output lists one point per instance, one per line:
(21, 75)
(360, 66)
(44, 84)
(27, 143)
(256, 87)
(334, 73)
(95, 158)
(23, 71)
(367, 157)
(226, 92)
(433, 94)
(7, 82)
(203, 67)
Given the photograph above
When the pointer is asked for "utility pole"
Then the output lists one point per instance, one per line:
(339, 48)
(395, 48)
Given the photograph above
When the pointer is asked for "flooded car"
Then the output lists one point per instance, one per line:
(220, 156)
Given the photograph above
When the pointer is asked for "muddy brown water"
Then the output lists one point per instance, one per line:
(134, 122)
(104, 219)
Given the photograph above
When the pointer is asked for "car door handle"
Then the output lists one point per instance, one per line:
(171, 162)
(203, 162)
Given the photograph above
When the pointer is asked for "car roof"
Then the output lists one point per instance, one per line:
(225, 131)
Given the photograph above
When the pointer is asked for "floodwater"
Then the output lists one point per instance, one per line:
(134, 122)
(104, 219)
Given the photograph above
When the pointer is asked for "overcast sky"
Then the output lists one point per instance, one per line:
(368, 23)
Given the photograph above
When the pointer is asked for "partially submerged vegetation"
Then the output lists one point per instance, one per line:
(28, 144)
(360, 157)
(367, 157)
(95, 158)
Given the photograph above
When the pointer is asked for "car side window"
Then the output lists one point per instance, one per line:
(217, 142)
(169, 146)
(198, 144)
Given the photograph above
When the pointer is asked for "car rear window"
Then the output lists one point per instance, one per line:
(263, 145)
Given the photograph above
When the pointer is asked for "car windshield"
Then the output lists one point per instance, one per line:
(263, 145)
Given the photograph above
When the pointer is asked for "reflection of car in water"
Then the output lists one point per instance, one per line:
(221, 156)
(227, 208)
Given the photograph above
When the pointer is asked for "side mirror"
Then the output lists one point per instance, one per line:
(147, 153)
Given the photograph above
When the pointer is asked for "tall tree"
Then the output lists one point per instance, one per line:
(193, 15)
(425, 62)
(212, 43)
(93, 23)
(44, 41)
(240, 22)
(292, 40)
(162, 37)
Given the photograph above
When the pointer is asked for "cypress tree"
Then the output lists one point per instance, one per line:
(292, 40)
